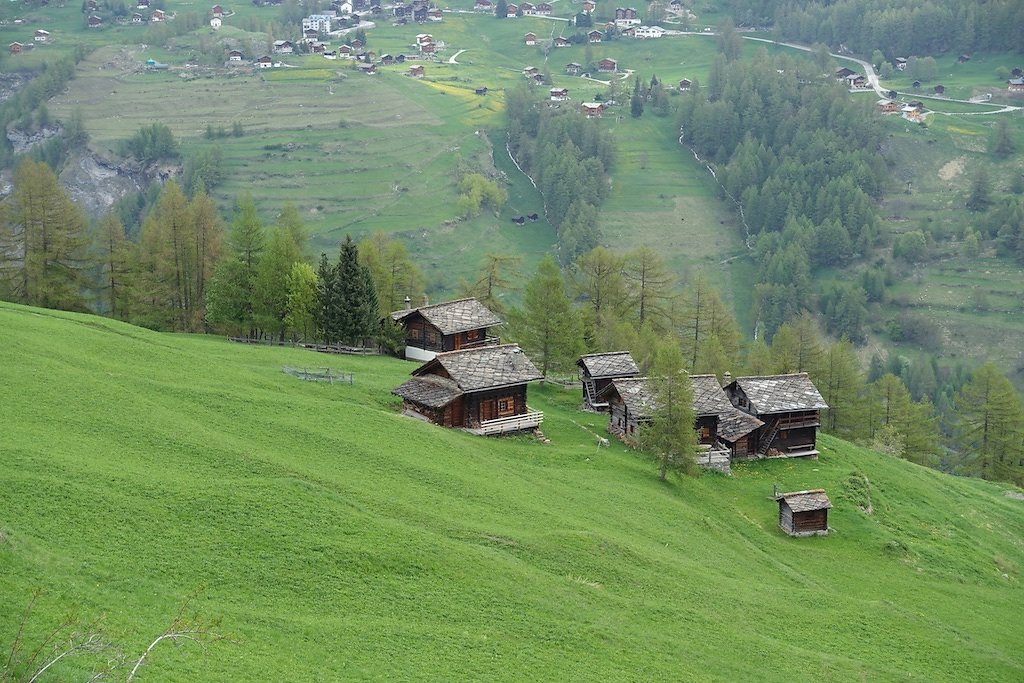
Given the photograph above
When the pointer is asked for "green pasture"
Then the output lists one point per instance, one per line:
(963, 81)
(333, 538)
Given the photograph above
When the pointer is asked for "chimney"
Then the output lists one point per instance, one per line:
(426, 301)
(727, 376)
(408, 302)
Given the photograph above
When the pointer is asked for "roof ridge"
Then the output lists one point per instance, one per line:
(477, 349)
(606, 353)
(786, 374)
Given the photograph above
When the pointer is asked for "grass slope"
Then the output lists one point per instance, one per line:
(339, 540)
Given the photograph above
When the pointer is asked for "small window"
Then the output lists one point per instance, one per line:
(472, 335)
(705, 432)
(506, 406)
(431, 337)
(415, 333)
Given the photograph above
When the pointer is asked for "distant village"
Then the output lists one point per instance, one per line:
(469, 380)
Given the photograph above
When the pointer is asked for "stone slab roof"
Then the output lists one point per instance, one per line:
(452, 317)
(636, 393)
(734, 424)
(708, 397)
(614, 364)
(781, 393)
(487, 367)
(432, 391)
(806, 501)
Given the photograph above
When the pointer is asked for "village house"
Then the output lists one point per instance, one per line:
(319, 48)
(483, 5)
(572, 68)
(592, 110)
(939, 90)
(630, 405)
(419, 14)
(589, 6)
(434, 14)
(41, 36)
(386, 60)
(597, 370)
(543, 9)
(1015, 85)
(424, 39)
(235, 56)
(264, 62)
(483, 390)
(283, 47)
(531, 71)
(856, 82)
(310, 36)
(609, 66)
(887, 106)
(734, 431)
(900, 63)
(626, 17)
(428, 48)
(15, 48)
(356, 44)
(157, 16)
(94, 21)
(448, 326)
(368, 69)
(595, 37)
(788, 405)
(215, 23)
(511, 10)
(217, 11)
(842, 73)
(417, 71)
(644, 32)
(684, 84)
(709, 403)
(530, 39)
(804, 513)
(345, 50)
(558, 94)
(91, 5)
(526, 8)
(319, 22)
(142, 4)
(561, 41)
(628, 32)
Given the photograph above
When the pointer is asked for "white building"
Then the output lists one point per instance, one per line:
(318, 22)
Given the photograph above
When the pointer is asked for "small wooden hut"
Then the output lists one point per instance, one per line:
(734, 430)
(448, 326)
(597, 370)
(709, 404)
(482, 390)
(804, 513)
(630, 403)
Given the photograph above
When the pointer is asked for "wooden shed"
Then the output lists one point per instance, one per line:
(482, 390)
(804, 513)
(630, 404)
(448, 326)
(597, 370)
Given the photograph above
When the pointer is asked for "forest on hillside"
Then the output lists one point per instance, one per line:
(899, 28)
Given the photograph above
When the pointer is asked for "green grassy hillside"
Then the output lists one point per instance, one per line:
(338, 540)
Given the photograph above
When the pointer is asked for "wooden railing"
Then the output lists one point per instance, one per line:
(513, 423)
(486, 341)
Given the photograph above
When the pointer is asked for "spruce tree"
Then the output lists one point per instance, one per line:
(326, 313)
(356, 296)
(669, 436)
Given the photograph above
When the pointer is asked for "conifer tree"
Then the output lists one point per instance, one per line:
(990, 430)
(547, 326)
(669, 437)
(327, 313)
(356, 297)
(43, 241)
(117, 257)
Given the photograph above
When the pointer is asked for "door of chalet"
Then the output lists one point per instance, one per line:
(488, 409)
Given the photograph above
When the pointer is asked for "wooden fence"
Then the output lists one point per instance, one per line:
(319, 375)
(322, 348)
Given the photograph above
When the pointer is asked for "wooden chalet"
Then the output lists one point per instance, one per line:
(842, 73)
(597, 370)
(1015, 85)
(734, 433)
(558, 94)
(264, 62)
(592, 110)
(235, 56)
(900, 63)
(417, 71)
(595, 37)
(530, 39)
(157, 16)
(608, 66)
(41, 36)
(561, 41)
(449, 326)
(94, 21)
(804, 513)
(939, 90)
(572, 68)
(889, 106)
(543, 9)
(709, 404)
(482, 390)
(630, 405)
(684, 84)
(788, 405)
(511, 10)
(15, 48)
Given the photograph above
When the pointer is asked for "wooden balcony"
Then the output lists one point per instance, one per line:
(513, 423)
(486, 341)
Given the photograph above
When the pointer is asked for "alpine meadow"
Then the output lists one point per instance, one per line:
(478, 340)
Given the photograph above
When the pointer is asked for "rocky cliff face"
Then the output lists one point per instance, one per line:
(96, 183)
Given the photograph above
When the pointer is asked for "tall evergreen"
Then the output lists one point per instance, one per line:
(547, 326)
(327, 314)
(358, 315)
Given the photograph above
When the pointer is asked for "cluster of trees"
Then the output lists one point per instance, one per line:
(800, 158)
(653, 93)
(898, 27)
(568, 157)
(154, 142)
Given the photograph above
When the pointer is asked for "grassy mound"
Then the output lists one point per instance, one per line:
(337, 540)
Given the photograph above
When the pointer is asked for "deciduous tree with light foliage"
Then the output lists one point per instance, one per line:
(670, 437)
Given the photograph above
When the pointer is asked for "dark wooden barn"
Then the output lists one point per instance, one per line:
(597, 370)
(709, 404)
(482, 390)
(788, 405)
(734, 431)
(804, 513)
(630, 405)
(449, 326)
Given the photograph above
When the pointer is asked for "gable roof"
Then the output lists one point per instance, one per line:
(487, 367)
(613, 364)
(708, 397)
(781, 393)
(432, 391)
(635, 393)
(805, 501)
(735, 424)
(452, 317)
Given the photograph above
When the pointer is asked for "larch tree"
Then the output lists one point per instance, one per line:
(270, 284)
(703, 316)
(547, 326)
(990, 429)
(841, 383)
(117, 260)
(670, 436)
(651, 288)
(302, 283)
(395, 276)
(492, 282)
(597, 279)
(43, 240)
